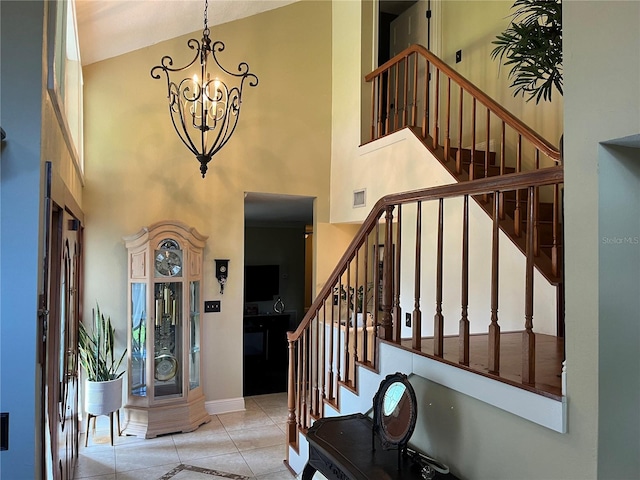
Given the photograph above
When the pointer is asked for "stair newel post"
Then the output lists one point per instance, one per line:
(494, 327)
(472, 166)
(397, 310)
(555, 227)
(438, 319)
(425, 119)
(447, 135)
(386, 328)
(436, 108)
(322, 365)
(502, 164)
(517, 216)
(414, 109)
(459, 151)
(463, 347)
(315, 352)
(305, 387)
(332, 330)
(291, 395)
(299, 385)
(528, 337)
(355, 312)
(416, 342)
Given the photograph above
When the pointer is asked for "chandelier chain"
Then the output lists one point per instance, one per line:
(206, 7)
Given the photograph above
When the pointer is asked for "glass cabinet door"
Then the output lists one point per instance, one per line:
(138, 346)
(168, 340)
(194, 335)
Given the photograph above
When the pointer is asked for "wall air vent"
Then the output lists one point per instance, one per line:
(360, 198)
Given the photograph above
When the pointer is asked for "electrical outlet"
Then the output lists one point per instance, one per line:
(407, 319)
(212, 306)
(458, 56)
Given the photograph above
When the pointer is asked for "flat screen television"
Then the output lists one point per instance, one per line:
(261, 282)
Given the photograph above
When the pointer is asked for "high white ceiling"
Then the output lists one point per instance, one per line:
(108, 28)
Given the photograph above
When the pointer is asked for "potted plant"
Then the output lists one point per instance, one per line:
(532, 47)
(103, 385)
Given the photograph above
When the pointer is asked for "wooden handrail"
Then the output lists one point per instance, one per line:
(515, 123)
(342, 328)
(509, 182)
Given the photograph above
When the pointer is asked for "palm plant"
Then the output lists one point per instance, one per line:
(532, 47)
(97, 351)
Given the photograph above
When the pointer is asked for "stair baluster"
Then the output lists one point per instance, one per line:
(464, 330)
(438, 319)
(494, 327)
(417, 315)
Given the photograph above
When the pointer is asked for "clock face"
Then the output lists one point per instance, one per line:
(168, 263)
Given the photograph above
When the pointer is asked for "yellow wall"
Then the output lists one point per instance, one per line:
(471, 26)
(138, 172)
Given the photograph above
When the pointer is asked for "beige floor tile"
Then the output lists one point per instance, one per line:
(151, 453)
(257, 437)
(94, 461)
(244, 420)
(190, 446)
(282, 475)
(265, 460)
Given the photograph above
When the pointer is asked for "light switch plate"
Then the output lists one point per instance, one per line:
(212, 306)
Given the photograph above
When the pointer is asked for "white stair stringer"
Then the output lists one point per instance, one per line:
(544, 411)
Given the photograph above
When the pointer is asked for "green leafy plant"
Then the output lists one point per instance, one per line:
(532, 47)
(96, 349)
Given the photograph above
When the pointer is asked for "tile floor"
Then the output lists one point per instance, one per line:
(247, 445)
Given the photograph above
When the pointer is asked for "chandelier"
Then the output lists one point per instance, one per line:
(204, 106)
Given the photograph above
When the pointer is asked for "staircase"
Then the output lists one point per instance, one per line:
(511, 174)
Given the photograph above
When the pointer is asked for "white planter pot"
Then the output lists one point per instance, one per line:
(102, 398)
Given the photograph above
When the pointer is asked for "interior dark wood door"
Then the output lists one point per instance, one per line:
(60, 313)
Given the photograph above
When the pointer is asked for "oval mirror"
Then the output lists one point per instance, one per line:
(395, 411)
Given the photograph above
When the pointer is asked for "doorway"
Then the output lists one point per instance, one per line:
(277, 290)
(407, 22)
(59, 318)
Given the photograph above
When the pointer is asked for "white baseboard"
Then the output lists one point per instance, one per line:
(227, 405)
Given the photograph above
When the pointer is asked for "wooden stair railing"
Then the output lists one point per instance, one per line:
(360, 302)
(471, 134)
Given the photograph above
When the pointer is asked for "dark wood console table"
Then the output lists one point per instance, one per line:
(340, 449)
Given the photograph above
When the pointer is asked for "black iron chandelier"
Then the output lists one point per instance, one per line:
(205, 107)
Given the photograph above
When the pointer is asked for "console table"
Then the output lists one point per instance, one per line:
(340, 449)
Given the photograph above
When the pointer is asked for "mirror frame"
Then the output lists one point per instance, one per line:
(387, 440)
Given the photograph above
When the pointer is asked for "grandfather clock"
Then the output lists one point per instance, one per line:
(164, 393)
